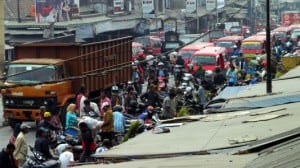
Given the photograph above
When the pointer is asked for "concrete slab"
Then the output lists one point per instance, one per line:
(198, 136)
(207, 161)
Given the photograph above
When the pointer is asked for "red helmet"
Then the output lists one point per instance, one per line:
(150, 108)
(141, 54)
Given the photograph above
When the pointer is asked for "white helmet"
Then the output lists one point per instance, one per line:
(160, 63)
(188, 89)
(208, 73)
(114, 88)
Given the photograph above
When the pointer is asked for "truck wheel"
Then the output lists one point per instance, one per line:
(13, 122)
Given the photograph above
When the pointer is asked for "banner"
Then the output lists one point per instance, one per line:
(191, 6)
(221, 4)
(211, 4)
(118, 6)
(49, 11)
(148, 7)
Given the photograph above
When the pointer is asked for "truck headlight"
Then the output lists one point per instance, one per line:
(11, 101)
(6, 102)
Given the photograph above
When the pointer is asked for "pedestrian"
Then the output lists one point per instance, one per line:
(71, 120)
(13, 136)
(7, 159)
(90, 109)
(81, 96)
(103, 98)
(169, 106)
(201, 96)
(42, 143)
(107, 128)
(119, 122)
(88, 143)
(67, 157)
(231, 76)
(219, 77)
(21, 150)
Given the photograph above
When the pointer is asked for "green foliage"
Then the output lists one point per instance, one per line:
(132, 130)
(182, 112)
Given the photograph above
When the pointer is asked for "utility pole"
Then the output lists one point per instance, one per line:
(217, 15)
(197, 16)
(2, 40)
(18, 11)
(268, 47)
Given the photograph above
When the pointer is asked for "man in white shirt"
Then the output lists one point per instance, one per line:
(90, 109)
(66, 158)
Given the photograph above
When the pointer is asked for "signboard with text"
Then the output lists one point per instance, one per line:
(148, 8)
(211, 4)
(49, 11)
(118, 6)
(191, 6)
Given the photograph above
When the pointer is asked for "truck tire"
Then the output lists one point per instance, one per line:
(13, 122)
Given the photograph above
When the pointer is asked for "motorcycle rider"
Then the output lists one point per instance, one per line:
(46, 123)
(199, 74)
(178, 69)
(131, 101)
(235, 52)
(42, 143)
(116, 98)
(151, 97)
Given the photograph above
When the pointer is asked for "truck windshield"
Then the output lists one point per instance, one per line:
(226, 44)
(203, 60)
(251, 46)
(186, 54)
(30, 73)
(295, 34)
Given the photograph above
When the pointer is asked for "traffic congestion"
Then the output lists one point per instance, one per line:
(88, 98)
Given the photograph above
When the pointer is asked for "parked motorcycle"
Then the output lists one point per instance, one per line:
(37, 160)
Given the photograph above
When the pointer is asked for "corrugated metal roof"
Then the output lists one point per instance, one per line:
(285, 155)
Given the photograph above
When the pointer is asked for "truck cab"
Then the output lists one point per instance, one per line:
(22, 102)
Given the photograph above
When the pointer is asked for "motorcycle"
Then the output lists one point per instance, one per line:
(37, 160)
(63, 140)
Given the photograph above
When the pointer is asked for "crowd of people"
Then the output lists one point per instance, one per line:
(89, 119)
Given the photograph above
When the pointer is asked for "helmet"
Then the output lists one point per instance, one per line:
(114, 88)
(188, 89)
(234, 46)
(141, 54)
(150, 108)
(160, 63)
(208, 73)
(47, 114)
